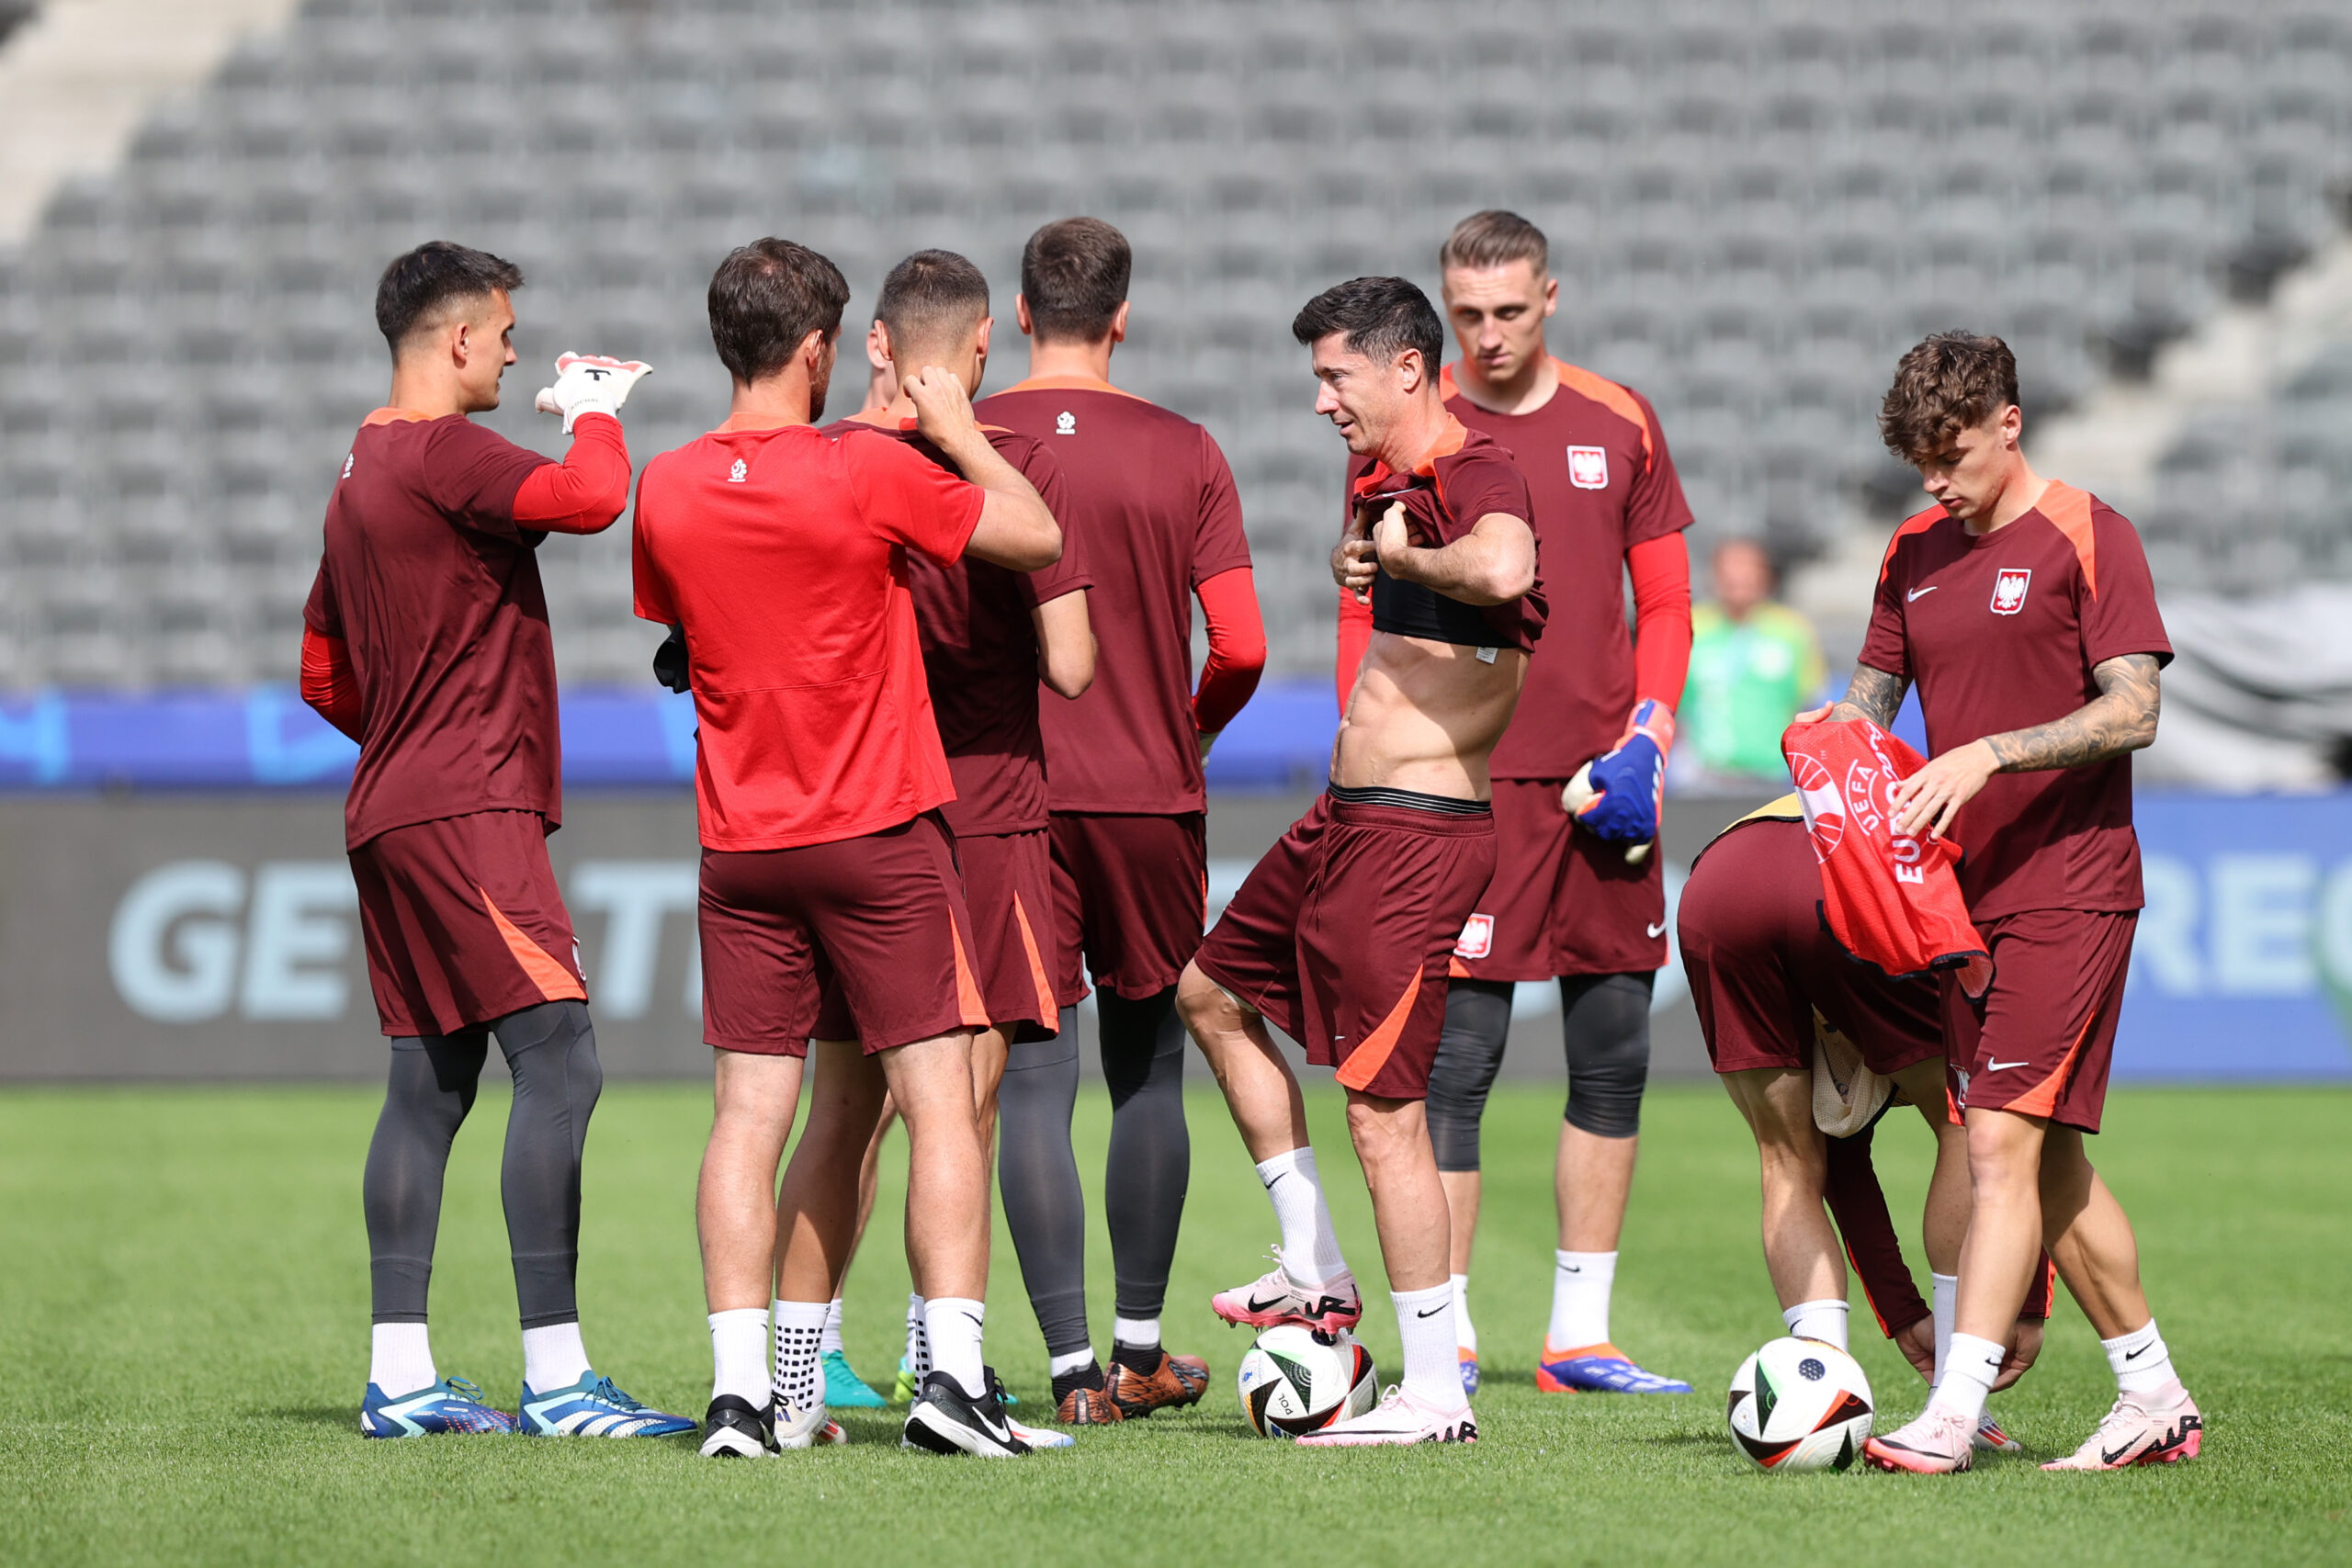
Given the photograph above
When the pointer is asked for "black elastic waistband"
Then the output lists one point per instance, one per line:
(1408, 800)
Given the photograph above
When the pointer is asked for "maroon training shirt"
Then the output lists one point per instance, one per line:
(2000, 632)
(1153, 498)
(436, 590)
(980, 648)
(1598, 475)
(1467, 476)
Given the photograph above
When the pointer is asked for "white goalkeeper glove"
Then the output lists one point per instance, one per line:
(590, 383)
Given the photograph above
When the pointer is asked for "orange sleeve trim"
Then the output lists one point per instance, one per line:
(2069, 511)
(396, 416)
(1048, 1012)
(554, 982)
(1918, 523)
(1613, 398)
(1070, 384)
(1363, 1064)
(968, 1000)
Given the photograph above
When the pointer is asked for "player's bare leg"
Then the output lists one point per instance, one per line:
(1463, 1191)
(1310, 1281)
(1801, 1249)
(754, 1099)
(990, 1048)
(817, 1212)
(1591, 1181)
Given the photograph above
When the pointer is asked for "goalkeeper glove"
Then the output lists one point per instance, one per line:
(1624, 789)
(670, 662)
(590, 383)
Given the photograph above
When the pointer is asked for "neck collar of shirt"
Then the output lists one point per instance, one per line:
(390, 415)
(758, 424)
(1449, 440)
(1070, 384)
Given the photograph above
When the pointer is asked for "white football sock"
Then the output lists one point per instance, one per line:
(399, 1358)
(1076, 1362)
(1310, 1244)
(1946, 1307)
(1823, 1320)
(1433, 1368)
(917, 1340)
(1135, 1333)
(799, 1329)
(2142, 1363)
(738, 1354)
(1968, 1377)
(830, 1341)
(1464, 1330)
(952, 1323)
(553, 1356)
(1580, 1286)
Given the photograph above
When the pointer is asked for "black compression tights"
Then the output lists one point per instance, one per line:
(1605, 1023)
(551, 1050)
(1148, 1170)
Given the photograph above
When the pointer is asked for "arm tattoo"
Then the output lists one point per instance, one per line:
(1872, 694)
(2121, 718)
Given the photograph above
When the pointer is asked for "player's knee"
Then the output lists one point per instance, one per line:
(1608, 1037)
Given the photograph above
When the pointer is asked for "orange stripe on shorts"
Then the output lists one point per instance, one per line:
(1048, 1013)
(554, 982)
(974, 1006)
(1364, 1063)
(2042, 1100)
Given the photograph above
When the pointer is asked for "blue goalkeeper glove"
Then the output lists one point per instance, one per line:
(1619, 794)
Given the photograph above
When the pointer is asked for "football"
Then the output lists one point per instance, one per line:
(1294, 1380)
(1800, 1405)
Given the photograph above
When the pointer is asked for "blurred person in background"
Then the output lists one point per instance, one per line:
(1753, 662)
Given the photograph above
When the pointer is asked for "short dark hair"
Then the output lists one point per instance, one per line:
(1382, 316)
(930, 295)
(417, 288)
(1949, 382)
(1074, 274)
(1494, 238)
(766, 298)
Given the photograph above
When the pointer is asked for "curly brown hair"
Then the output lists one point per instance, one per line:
(1950, 381)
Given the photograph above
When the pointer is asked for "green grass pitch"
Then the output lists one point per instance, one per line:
(183, 1320)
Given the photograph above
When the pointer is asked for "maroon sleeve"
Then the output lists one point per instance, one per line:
(1475, 483)
(472, 472)
(319, 611)
(1219, 544)
(2120, 617)
(1068, 575)
(1882, 647)
(1655, 506)
(1859, 1205)
(907, 498)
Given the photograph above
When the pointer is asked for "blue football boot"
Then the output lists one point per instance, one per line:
(593, 1407)
(453, 1404)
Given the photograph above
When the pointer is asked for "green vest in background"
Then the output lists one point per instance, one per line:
(1748, 680)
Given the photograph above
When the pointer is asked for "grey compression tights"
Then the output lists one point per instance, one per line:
(551, 1050)
(1150, 1164)
(1605, 1021)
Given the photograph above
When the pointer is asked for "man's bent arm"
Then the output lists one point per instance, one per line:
(2121, 718)
(1872, 694)
(1016, 528)
(1065, 644)
(1492, 564)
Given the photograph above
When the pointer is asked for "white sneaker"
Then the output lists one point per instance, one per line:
(806, 1429)
(1274, 1297)
(1399, 1420)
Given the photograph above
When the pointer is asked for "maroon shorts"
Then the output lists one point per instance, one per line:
(1342, 935)
(463, 923)
(2040, 1040)
(1009, 888)
(1130, 894)
(1562, 901)
(865, 938)
(1763, 973)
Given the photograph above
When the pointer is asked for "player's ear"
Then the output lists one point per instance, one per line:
(2012, 425)
(1550, 294)
(1021, 315)
(1118, 323)
(878, 342)
(980, 343)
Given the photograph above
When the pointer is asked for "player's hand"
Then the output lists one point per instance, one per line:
(1208, 740)
(670, 662)
(943, 409)
(1814, 715)
(1930, 799)
(590, 383)
(1918, 1344)
(1391, 541)
(1352, 561)
(2025, 1348)
(1628, 784)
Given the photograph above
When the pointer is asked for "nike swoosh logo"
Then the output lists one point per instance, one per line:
(1573, 1268)
(1433, 1311)
(2135, 1355)
(2105, 1457)
(2001, 1066)
(1915, 593)
(1256, 1305)
(1656, 930)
